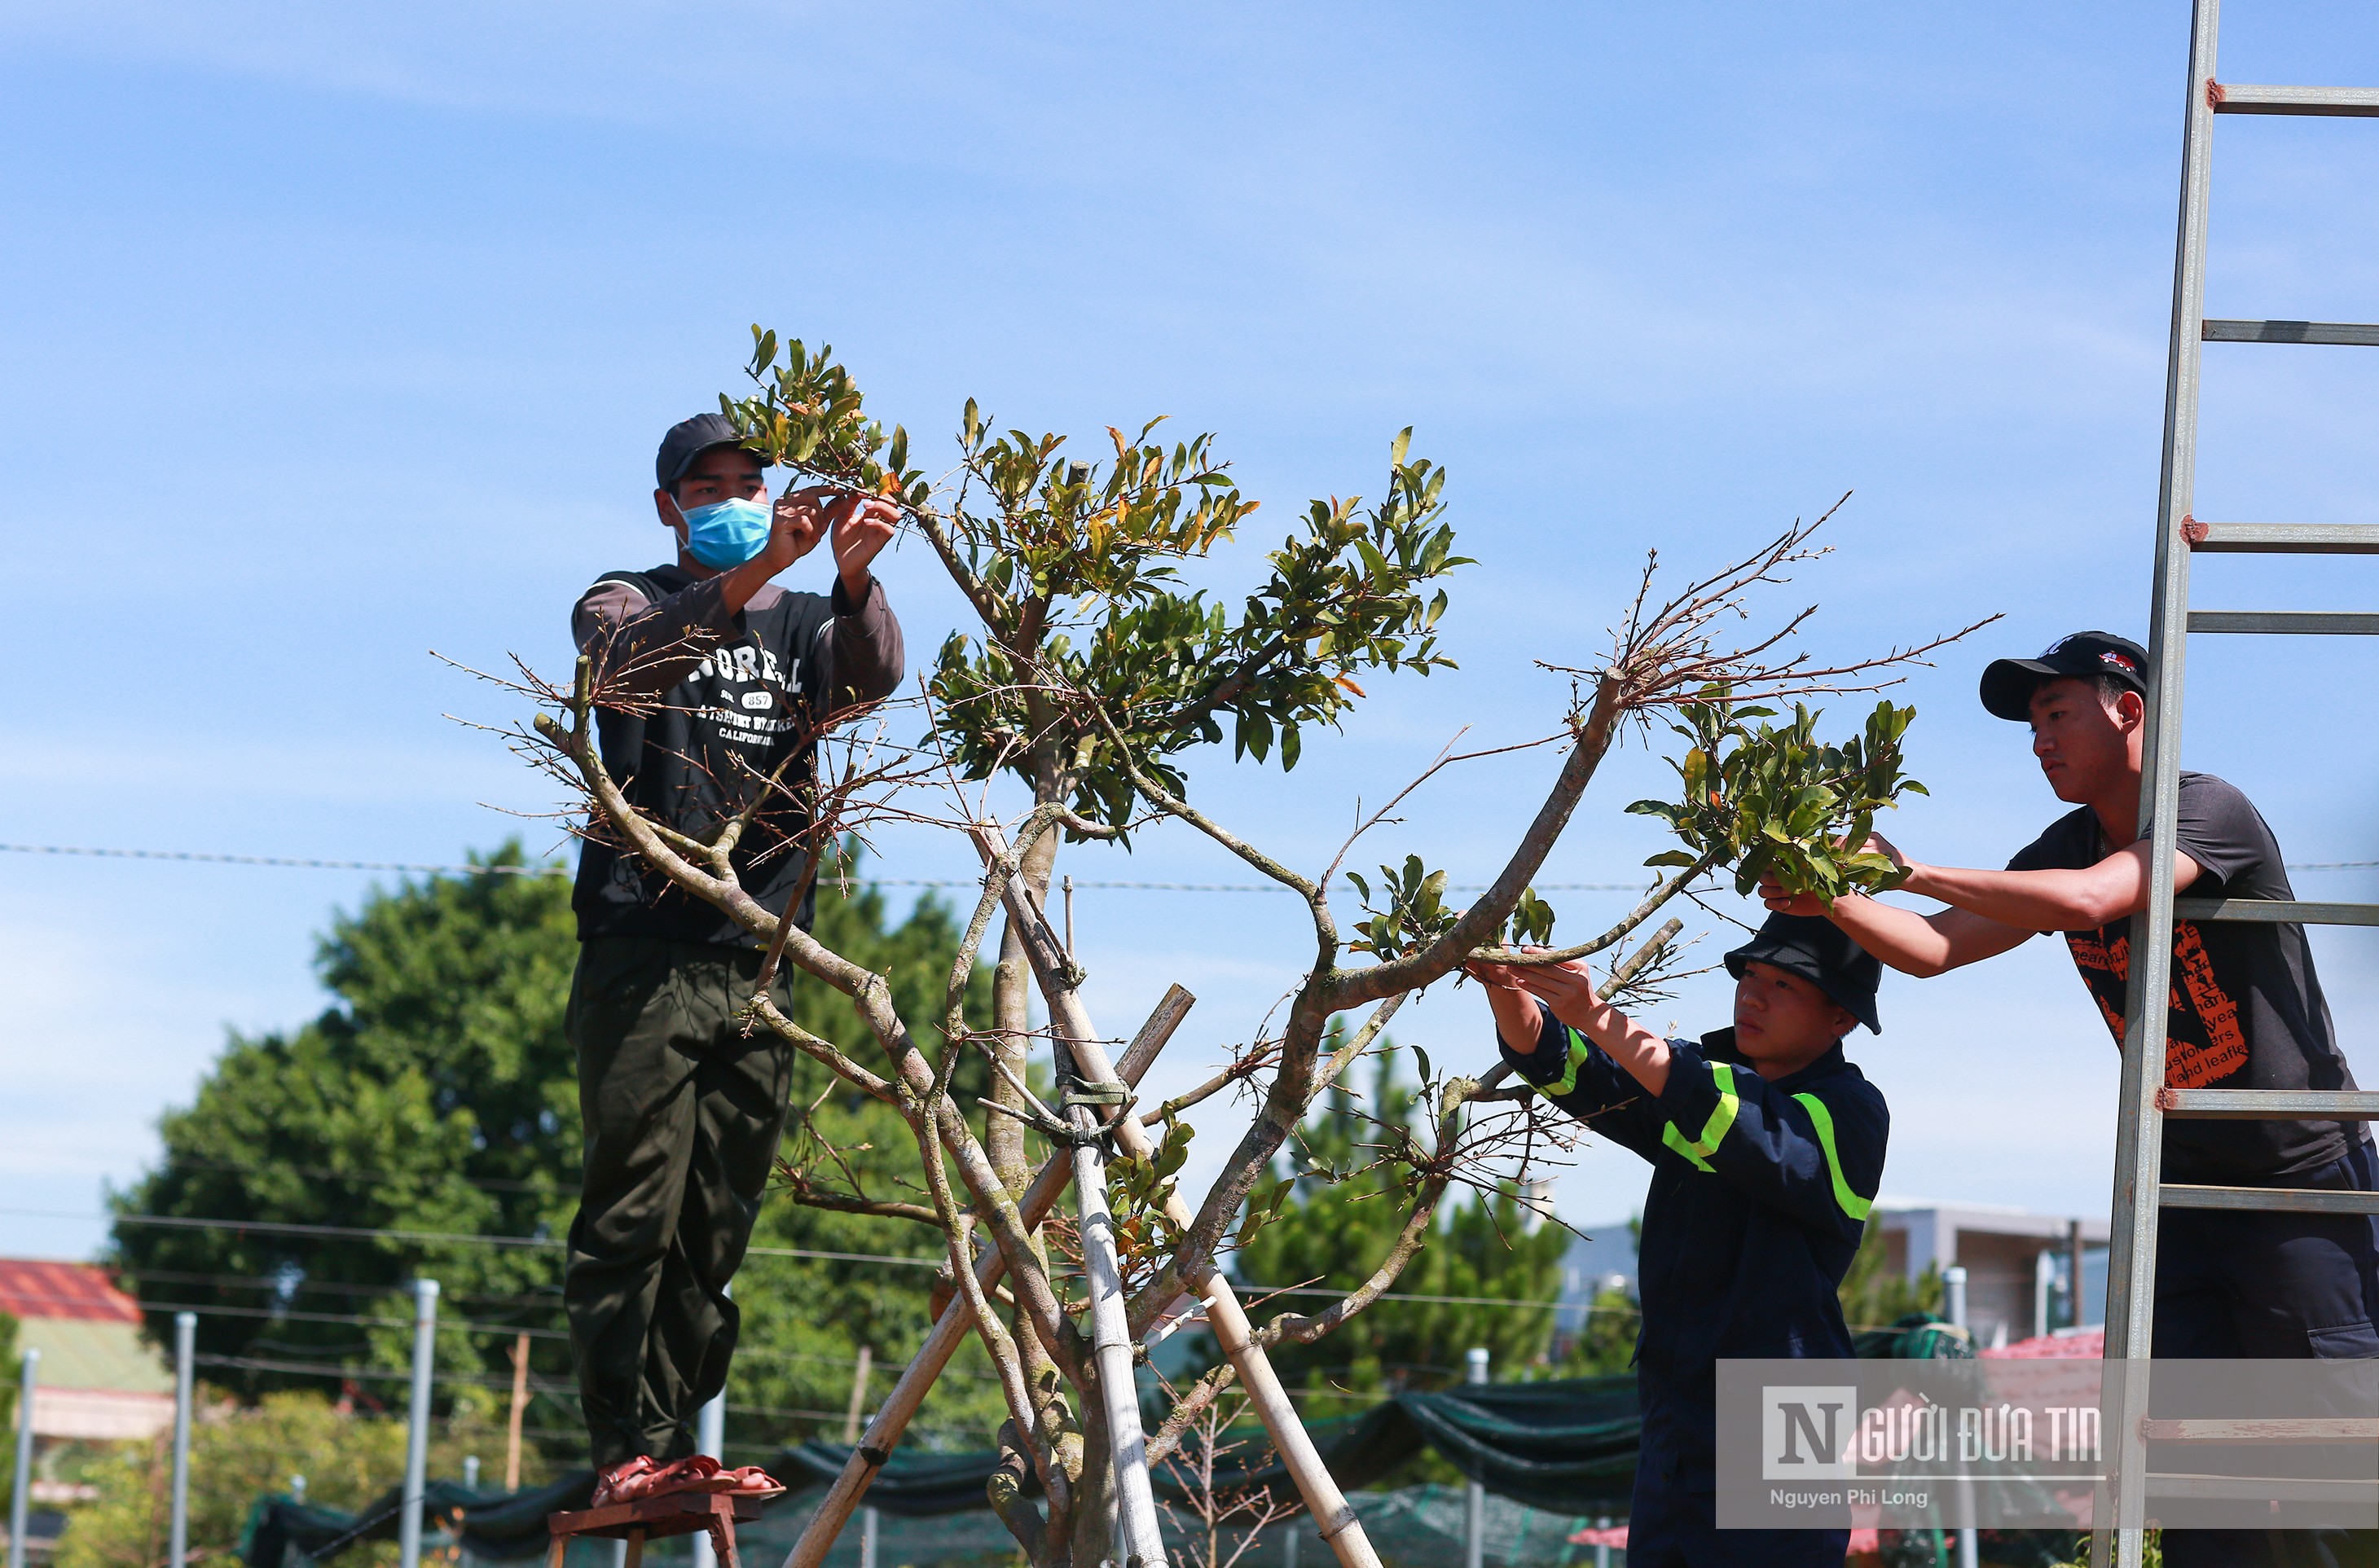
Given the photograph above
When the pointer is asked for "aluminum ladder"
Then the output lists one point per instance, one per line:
(2140, 1191)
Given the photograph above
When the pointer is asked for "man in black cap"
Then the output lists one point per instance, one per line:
(682, 1110)
(2247, 1010)
(1766, 1148)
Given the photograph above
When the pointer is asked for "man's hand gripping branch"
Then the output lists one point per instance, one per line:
(1513, 990)
(857, 526)
(1990, 911)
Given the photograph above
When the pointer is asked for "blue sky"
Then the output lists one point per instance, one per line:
(334, 336)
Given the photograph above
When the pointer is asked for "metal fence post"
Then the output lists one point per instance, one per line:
(2073, 1265)
(18, 1498)
(869, 1521)
(710, 1437)
(471, 1485)
(185, 1344)
(1473, 1520)
(417, 1435)
(1602, 1548)
(2044, 1289)
(1953, 1301)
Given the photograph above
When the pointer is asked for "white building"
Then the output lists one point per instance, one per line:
(2015, 1261)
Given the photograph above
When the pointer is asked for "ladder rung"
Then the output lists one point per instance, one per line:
(2353, 333)
(2297, 99)
(2282, 539)
(2356, 1492)
(2269, 1104)
(2276, 911)
(2286, 622)
(2268, 1199)
(2266, 1429)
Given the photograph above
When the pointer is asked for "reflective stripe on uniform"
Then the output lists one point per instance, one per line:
(1568, 1082)
(1823, 1120)
(1721, 1118)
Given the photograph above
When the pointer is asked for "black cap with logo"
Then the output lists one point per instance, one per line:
(688, 439)
(2008, 684)
(1819, 952)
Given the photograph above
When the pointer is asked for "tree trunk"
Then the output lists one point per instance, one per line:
(1094, 1499)
(1012, 988)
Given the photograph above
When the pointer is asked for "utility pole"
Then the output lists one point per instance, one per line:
(417, 1435)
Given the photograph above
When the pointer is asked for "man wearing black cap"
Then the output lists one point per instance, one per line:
(1766, 1148)
(683, 1112)
(2247, 1010)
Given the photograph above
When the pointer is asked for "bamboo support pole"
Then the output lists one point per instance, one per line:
(949, 1330)
(1143, 1539)
(1333, 1519)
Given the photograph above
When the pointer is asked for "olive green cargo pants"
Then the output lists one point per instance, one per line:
(683, 1116)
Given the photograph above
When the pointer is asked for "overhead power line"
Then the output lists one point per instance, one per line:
(425, 869)
(284, 1286)
(292, 1315)
(287, 860)
(279, 1228)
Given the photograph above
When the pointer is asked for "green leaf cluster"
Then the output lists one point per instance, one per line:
(1415, 914)
(1138, 1187)
(1085, 610)
(1768, 799)
(807, 415)
(1073, 567)
(1415, 911)
(1531, 922)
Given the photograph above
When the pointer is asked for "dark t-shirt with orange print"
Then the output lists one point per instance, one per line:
(2247, 1008)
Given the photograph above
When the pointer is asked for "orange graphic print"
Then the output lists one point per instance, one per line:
(2203, 1044)
(2224, 1049)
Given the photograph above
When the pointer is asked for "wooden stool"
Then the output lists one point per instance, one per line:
(675, 1513)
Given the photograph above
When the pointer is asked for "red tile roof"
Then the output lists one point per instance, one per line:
(33, 1287)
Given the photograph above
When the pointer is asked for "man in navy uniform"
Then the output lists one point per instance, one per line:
(1766, 1150)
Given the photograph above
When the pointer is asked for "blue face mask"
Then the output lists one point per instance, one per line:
(726, 534)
